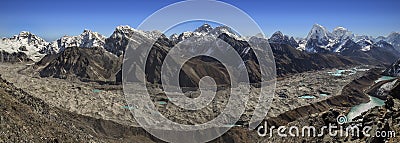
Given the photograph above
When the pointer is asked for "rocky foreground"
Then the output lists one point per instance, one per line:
(24, 118)
(381, 123)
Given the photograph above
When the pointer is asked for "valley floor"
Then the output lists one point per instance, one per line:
(107, 102)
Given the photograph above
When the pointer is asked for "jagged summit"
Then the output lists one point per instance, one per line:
(340, 28)
(318, 32)
(87, 39)
(277, 34)
(279, 37)
(223, 29)
(124, 34)
(320, 40)
(30, 38)
(341, 32)
(86, 30)
(123, 28)
(126, 30)
(204, 28)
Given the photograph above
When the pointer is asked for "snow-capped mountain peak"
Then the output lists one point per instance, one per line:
(318, 39)
(29, 38)
(318, 32)
(91, 39)
(223, 29)
(124, 35)
(86, 39)
(204, 28)
(24, 42)
(342, 33)
(125, 30)
(321, 40)
(394, 39)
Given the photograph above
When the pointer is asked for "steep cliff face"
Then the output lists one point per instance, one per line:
(13, 57)
(290, 60)
(394, 69)
(93, 64)
(385, 88)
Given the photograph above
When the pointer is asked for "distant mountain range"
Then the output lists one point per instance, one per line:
(89, 55)
(362, 48)
(318, 40)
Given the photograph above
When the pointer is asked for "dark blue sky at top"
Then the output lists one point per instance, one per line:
(53, 19)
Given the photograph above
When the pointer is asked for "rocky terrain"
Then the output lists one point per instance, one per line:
(107, 101)
(382, 120)
(350, 94)
(25, 118)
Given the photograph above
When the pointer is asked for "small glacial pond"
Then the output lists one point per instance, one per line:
(323, 94)
(307, 96)
(129, 107)
(96, 90)
(383, 78)
(340, 72)
(359, 109)
(162, 102)
(349, 72)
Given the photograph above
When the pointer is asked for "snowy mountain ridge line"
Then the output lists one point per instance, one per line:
(318, 37)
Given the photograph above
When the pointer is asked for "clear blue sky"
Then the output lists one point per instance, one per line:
(53, 19)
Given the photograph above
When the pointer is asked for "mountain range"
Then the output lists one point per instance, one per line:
(92, 56)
